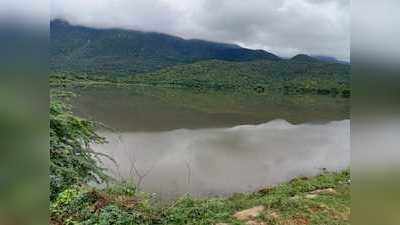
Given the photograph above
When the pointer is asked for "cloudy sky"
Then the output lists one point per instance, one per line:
(283, 27)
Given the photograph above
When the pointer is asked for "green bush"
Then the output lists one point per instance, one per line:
(72, 161)
(84, 205)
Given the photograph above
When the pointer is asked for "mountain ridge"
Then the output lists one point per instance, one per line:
(81, 49)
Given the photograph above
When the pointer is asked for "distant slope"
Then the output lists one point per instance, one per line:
(316, 58)
(291, 75)
(329, 59)
(80, 49)
(304, 58)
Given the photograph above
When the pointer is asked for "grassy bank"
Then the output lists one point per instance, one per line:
(324, 199)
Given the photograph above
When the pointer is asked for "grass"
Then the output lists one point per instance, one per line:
(295, 202)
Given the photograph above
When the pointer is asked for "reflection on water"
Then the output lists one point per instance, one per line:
(152, 109)
(222, 161)
(177, 141)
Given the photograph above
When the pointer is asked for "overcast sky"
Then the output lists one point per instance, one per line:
(283, 27)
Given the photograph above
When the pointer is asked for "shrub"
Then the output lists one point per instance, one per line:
(72, 161)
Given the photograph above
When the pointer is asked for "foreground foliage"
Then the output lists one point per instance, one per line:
(289, 203)
(72, 161)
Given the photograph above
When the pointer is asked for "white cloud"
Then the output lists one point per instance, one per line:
(284, 27)
(28, 12)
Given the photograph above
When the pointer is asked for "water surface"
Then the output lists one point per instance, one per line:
(146, 108)
(176, 141)
(222, 161)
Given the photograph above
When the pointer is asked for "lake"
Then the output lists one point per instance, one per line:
(209, 143)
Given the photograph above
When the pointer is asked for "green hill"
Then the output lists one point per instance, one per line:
(78, 49)
(262, 76)
(304, 58)
(160, 59)
(285, 75)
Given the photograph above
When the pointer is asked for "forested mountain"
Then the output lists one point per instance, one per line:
(304, 58)
(81, 49)
(160, 59)
(284, 75)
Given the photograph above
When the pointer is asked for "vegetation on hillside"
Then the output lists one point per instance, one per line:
(78, 50)
(273, 77)
(286, 76)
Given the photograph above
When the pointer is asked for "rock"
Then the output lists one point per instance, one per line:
(265, 190)
(324, 191)
(274, 215)
(311, 196)
(249, 214)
